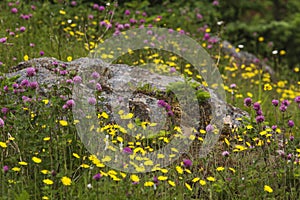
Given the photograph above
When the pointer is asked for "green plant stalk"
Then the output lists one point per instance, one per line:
(260, 86)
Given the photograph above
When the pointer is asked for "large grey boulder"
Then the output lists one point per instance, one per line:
(116, 82)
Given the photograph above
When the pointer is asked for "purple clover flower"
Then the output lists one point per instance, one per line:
(1, 122)
(172, 69)
(187, 163)
(69, 81)
(247, 101)
(77, 79)
(70, 103)
(168, 107)
(5, 88)
(282, 108)
(206, 36)
(5, 168)
(256, 106)
(127, 12)
(33, 85)
(24, 83)
(14, 10)
(286, 103)
(291, 123)
(161, 103)
(15, 85)
(275, 102)
(232, 86)
(170, 113)
(127, 150)
(4, 110)
(215, 3)
(22, 28)
(199, 16)
(63, 72)
(97, 177)
(209, 128)
(132, 21)
(30, 71)
(101, 8)
(120, 26)
(297, 99)
(91, 17)
(225, 153)
(55, 63)
(259, 112)
(98, 87)
(96, 6)
(3, 40)
(92, 101)
(26, 99)
(73, 3)
(260, 119)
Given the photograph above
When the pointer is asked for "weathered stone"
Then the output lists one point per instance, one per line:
(117, 82)
(244, 57)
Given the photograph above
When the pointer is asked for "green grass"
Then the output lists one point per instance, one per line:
(39, 145)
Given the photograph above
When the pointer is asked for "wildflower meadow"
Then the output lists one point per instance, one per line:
(42, 154)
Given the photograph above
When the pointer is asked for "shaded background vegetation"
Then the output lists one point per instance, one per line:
(245, 20)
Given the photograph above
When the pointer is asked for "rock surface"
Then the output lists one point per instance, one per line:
(116, 82)
(244, 57)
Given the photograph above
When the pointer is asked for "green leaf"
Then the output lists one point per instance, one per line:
(23, 196)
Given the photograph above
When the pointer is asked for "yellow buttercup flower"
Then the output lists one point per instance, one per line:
(220, 169)
(202, 182)
(195, 179)
(76, 155)
(267, 87)
(162, 178)
(268, 189)
(69, 58)
(172, 183)
(44, 171)
(36, 159)
(3, 144)
(188, 186)
(148, 184)
(66, 181)
(62, 12)
(26, 57)
(23, 163)
(134, 178)
(16, 169)
(63, 122)
(48, 181)
(210, 178)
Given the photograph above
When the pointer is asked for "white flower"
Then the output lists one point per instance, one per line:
(89, 186)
